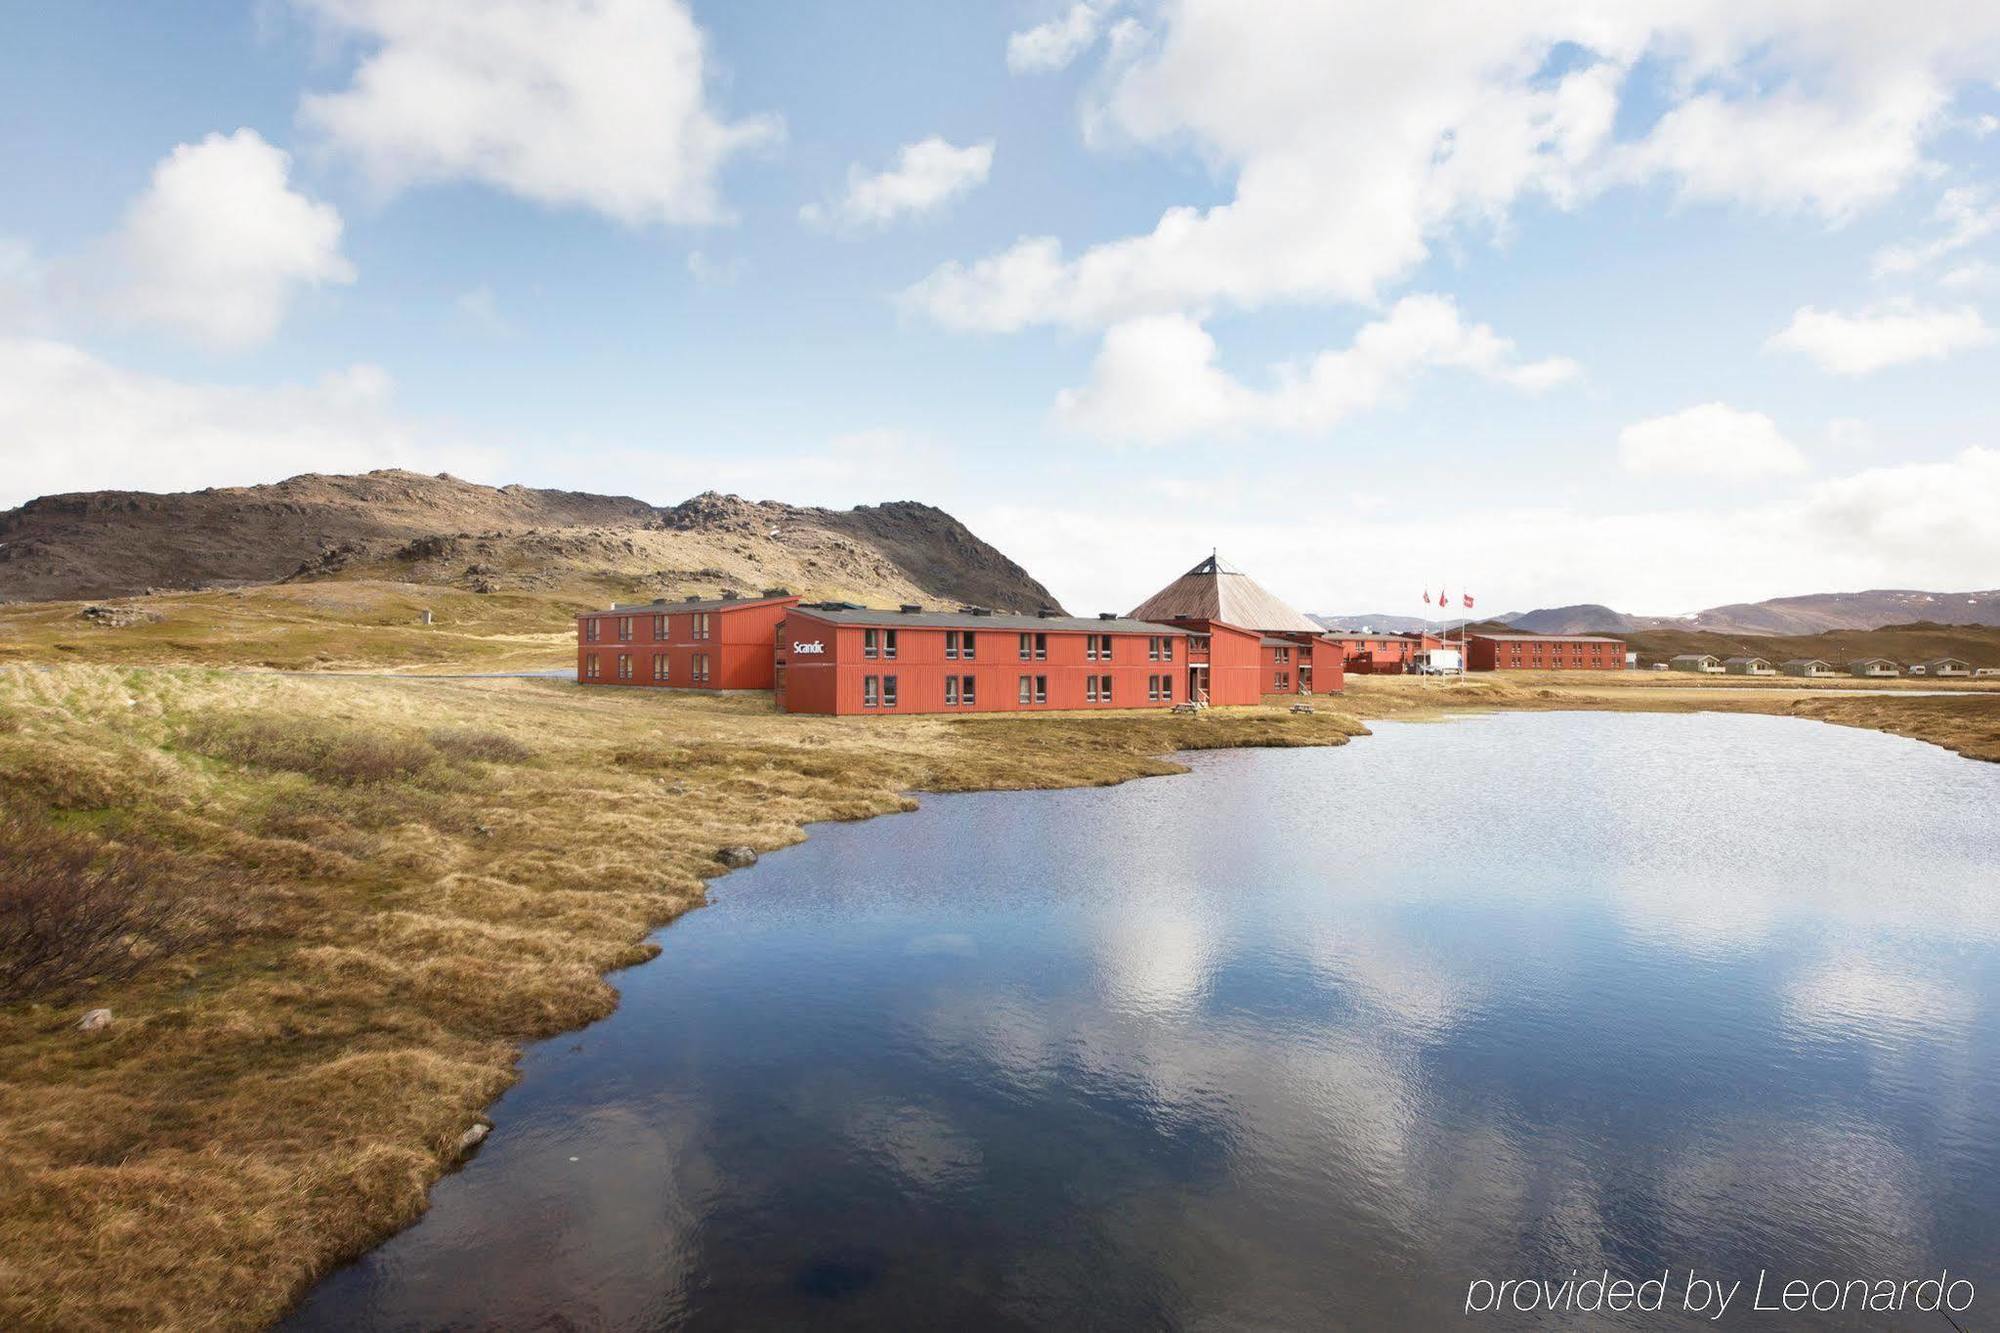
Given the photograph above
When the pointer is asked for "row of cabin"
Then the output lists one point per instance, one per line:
(1867, 668)
(1212, 636)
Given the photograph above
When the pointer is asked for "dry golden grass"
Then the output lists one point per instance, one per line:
(421, 875)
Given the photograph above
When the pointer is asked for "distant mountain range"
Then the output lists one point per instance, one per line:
(1811, 614)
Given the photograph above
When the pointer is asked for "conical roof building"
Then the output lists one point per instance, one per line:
(1214, 591)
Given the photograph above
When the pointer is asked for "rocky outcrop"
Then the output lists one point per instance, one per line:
(405, 527)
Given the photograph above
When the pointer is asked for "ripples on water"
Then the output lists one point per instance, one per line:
(1309, 1039)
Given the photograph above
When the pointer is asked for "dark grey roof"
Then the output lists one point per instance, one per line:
(1765, 660)
(1807, 661)
(1548, 638)
(999, 622)
(669, 606)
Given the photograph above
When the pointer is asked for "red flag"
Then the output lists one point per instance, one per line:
(1468, 601)
(1427, 596)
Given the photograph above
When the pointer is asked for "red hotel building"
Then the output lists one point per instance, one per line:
(723, 643)
(1543, 652)
(1382, 653)
(839, 658)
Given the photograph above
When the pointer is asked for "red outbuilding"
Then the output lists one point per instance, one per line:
(722, 643)
(1543, 652)
(840, 658)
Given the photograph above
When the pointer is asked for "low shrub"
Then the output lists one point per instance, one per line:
(474, 744)
(329, 752)
(74, 910)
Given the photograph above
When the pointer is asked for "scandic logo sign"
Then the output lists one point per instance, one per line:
(808, 649)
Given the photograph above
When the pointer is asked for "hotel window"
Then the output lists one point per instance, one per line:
(950, 651)
(701, 668)
(1027, 687)
(888, 643)
(660, 666)
(1281, 681)
(871, 643)
(1167, 649)
(888, 691)
(624, 666)
(659, 629)
(950, 691)
(624, 629)
(1152, 689)
(969, 649)
(1153, 649)
(1041, 647)
(1027, 650)
(590, 667)
(967, 692)
(1281, 654)
(871, 691)
(1167, 689)
(701, 624)
(1104, 689)
(1090, 689)
(1041, 689)
(590, 630)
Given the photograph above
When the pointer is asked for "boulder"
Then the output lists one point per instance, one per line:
(93, 1021)
(737, 857)
(472, 1138)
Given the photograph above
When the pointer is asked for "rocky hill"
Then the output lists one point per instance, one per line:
(1815, 613)
(405, 527)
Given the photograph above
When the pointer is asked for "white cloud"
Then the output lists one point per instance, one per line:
(1156, 379)
(1965, 216)
(1051, 46)
(480, 307)
(69, 421)
(928, 174)
(1357, 136)
(219, 243)
(1977, 276)
(709, 271)
(1711, 440)
(601, 104)
(1882, 336)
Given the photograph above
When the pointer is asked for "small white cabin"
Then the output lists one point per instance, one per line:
(1706, 664)
(1808, 666)
(1748, 666)
(1873, 668)
(1946, 666)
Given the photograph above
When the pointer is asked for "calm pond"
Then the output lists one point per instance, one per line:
(1308, 1039)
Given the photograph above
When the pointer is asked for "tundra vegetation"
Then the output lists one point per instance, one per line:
(325, 911)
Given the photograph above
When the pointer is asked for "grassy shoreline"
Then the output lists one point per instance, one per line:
(384, 887)
(413, 880)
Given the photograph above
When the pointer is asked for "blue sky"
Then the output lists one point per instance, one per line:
(1659, 306)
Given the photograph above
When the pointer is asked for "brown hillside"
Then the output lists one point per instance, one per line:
(407, 528)
(1920, 642)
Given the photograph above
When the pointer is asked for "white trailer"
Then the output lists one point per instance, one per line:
(1440, 662)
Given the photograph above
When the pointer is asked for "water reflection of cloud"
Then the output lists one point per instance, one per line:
(1406, 982)
(1155, 961)
(1858, 995)
(1829, 1193)
(920, 1145)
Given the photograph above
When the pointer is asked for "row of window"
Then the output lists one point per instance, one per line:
(698, 668)
(1281, 682)
(593, 628)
